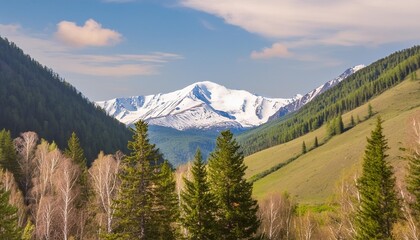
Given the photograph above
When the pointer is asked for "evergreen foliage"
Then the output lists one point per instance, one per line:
(370, 110)
(134, 204)
(8, 158)
(75, 152)
(355, 91)
(352, 122)
(198, 203)
(304, 147)
(316, 144)
(166, 209)
(9, 227)
(336, 126)
(379, 203)
(35, 98)
(236, 215)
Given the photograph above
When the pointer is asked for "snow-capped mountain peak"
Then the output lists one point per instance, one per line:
(208, 105)
(302, 100)
(200, 105)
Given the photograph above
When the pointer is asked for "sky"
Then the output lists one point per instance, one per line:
(273, 48)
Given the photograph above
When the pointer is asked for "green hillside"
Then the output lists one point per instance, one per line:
(313, 176)
(355, 91)
(34, 98)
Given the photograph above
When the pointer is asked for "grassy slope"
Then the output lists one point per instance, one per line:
(312, 177)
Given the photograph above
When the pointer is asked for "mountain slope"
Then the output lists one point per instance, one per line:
(300, 102)
(356, 90)
(202, 105)
(312, 178)
(34, 98)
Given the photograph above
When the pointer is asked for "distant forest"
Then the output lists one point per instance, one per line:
(356, 90)
(34, 98)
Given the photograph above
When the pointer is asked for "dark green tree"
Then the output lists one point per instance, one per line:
(339, 125)
(166, 208)
(379, 203)
(316, 144)
(370, 110)
(9, 227)
(198, 203)
(352, 122)
(8, 158)
(304, 150)
(134, 204)
(75, 152)
(236, 215)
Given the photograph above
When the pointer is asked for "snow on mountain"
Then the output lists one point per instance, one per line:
(302, 100)
(202, 105)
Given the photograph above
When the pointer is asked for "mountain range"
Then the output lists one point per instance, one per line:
(210, 106)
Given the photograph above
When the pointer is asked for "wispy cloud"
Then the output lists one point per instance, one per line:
(90, 34)
(326, 22)
(277, 50)
(63, 58)
(208, 25)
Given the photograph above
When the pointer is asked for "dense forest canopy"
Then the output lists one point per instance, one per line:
(34, 98)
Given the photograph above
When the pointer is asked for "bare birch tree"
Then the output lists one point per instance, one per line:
(66, 177)
(276, 213)
(103, 174)
(25, 146)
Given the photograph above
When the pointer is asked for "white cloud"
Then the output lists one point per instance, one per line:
(277, 50)
(324, 22)
(63, 59)
(90, 34)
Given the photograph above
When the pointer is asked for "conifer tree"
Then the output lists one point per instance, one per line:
(236, 215)
(352, 122)
(198, 203)
(370, 110)
(316, 144)
(379, 203)
(339, 125)
(133, 206)
(304, 147)
(166, 208)
(75, 152)
(8, 159)
(9, 227)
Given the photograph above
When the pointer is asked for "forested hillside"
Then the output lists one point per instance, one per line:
(34, 98)
(349, 94)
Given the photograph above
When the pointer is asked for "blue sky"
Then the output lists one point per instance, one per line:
(275, 48)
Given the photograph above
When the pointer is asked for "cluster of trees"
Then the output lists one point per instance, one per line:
(369, 206)
(46, 193)
(358, 89)
(35, 98)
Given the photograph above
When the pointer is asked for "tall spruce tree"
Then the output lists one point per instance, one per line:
(166, 208)
(304, 150)
(8, 160)
(75, 152)
(236, 215)
(9, 227)
(379, 203)
(134, 204)
(198, 203)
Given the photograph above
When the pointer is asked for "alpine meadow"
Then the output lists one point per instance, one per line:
(209, 120)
